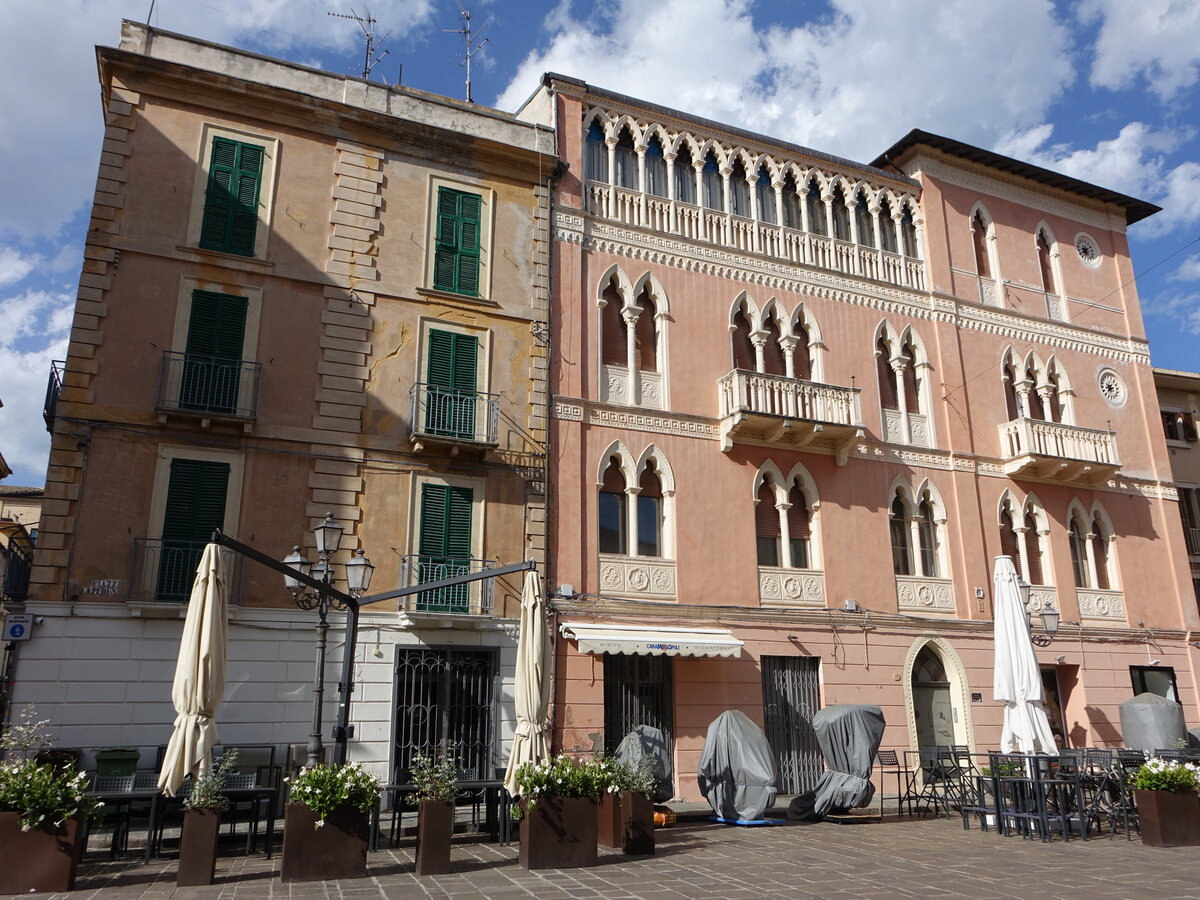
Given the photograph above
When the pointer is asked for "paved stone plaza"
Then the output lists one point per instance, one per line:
(898, 858)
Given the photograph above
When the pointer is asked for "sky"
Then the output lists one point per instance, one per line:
(1104, 90)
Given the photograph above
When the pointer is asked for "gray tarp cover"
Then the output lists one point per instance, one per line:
(737, 769)
(646, 740)
(849, 738)
(1150, 722)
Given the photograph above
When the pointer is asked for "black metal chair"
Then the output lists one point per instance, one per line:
(889, 764)
(115, 811)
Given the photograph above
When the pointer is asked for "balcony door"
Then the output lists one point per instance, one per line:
(195, 508)
(213, 354)
(444, 546)
(451, 375)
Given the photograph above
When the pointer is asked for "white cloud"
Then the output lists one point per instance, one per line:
(1158, 40)
(1184, 308)
(850, 83)
(1189, 269)
(50, 118)
(34, 327)
(14, 265)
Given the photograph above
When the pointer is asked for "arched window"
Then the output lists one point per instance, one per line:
(1054, 398)
(908, 232)
(1079, 564)
(744, 356)
(645, 335)
(802, 355)
(901, 546)
(656, 168)
(1099, 540)
(1035, 410)
(841, 215)
(912, 384)
(927, 531)
(614, 522)
(1033, 550)
(739, 191)
(614, 337)
(887, 228)
(816, 209)
(626, 161)
(710, 178)
(595, 159)
(1008, 540)
(1011, 402)
(866, 227)
(685, 176)
(773, 360)
(979, 240)
(766, 525)
(649, 512)
(791, 203)
(764, 194)
(799, 527)
(888, 397)
(1047, 270)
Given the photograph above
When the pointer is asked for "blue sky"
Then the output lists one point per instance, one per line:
(1105, 90)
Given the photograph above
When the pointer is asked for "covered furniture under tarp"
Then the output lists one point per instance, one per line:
(643, 741)
(737, 769)
(849, 737)
(1150, 722)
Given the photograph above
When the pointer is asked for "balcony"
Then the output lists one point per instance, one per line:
(208, 387)
(163, 571)
(1052, 451)
(471, 599)
(58, 369)
(1191, 537)
(451, 416)
(776, 411)
(779, 242)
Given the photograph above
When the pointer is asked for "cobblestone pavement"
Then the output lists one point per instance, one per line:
(893, 859)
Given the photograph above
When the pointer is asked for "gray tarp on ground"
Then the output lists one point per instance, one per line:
(1150, 722)
(737, 769)
(645, 740)
(849, 737)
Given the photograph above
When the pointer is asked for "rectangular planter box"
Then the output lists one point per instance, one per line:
(626, 821)
(338, 849)
(37, 860)
(559, 833)
(198, 847)
(435, 826)
(1168, 819)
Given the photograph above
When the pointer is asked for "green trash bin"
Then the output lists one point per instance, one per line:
(117, 761)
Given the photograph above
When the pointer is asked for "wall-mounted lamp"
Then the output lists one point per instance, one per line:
(1049, 616)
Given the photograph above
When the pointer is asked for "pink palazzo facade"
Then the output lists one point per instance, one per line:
(800, 404)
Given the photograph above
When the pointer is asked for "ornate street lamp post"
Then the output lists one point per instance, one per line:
(358, 581)
(1049, 616)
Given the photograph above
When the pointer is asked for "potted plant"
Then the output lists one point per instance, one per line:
(41, 813)
(626, 812)
(202, 807)
(325, 826)
(436, 780)
(1168, 806)
(558, 812)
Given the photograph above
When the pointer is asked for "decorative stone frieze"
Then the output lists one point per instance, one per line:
(785, 588)
(926, 596)
(1101, 606)
(637, 576)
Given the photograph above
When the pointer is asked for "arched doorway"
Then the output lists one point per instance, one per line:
(933, 708)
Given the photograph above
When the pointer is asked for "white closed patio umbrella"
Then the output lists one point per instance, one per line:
(532, 685)
(1018, 680)
(199, 673)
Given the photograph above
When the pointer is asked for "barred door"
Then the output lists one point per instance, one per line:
(791, 696)
(445, 698)
(637, 691)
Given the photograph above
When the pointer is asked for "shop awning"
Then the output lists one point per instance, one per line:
(651, 641)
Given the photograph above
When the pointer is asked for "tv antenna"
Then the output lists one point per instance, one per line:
(367, 24)
(471, 40)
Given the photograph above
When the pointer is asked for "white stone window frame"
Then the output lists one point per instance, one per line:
(266, 192)
(908, 422)
(995, 282)
(1056, 300)
(487, 221)
(781, 487)
(477, 487)
(1019, 511)
(627, 384)
(631, 470)
(1085, 518)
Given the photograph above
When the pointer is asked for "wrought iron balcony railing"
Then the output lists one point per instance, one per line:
(452, 414)
(473, 598)
(15, 565)
(1192, 537)
(208, 385)
(53, 388)
(163, 571)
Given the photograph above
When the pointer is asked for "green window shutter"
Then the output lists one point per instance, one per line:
(444, 545)
(195, 507)
(212, 366)
(231, 201)
(457, 241)
(451, 372)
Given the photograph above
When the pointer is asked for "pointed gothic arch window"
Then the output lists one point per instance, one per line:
(1011, 401)
(739, 190)
(927, 532)
(744, 356)
(802, 354)
(764, 195)
(595, 159)
(766, 525)
(650, 512)
(656, 168)
(908, 232)
(841, 215)
(816, 209)
(614, 522)
(791, 203)
(887, 228)
(864, 223)
(614, 337)
(685, 176)
(645, 335)
(1099, 538)
(710, 178)
(773, 359)
(1033, 550)
(900, 535)
(799, 527)
(1079, 565)
(888, 397)
(626, 160)
(1044, 263)
(979, 241)
(912, 383)
(1008, 540)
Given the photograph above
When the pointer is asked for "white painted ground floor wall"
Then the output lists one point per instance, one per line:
(101, 674)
